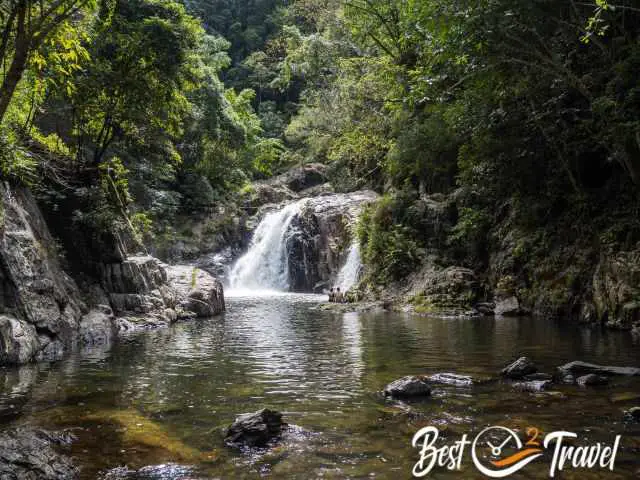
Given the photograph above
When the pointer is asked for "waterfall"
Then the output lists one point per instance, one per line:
(350, 273)
(265, 266)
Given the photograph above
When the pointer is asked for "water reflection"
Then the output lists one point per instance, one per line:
(323, 370)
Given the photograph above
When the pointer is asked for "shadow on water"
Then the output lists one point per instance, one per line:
(159, 401)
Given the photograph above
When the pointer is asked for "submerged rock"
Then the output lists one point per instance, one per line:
(138, 432)
(451, 379)
(166, 471)
(532, 386)
(592, 380)
(30, 454)
(255, 429)
(583, 368)
(406, 387)
(538, 376)
(518, 369)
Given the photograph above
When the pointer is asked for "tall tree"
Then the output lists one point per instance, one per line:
(26, 24)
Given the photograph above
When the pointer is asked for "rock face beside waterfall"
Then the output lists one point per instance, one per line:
(43, 313)
(320, 237)
(41, 305)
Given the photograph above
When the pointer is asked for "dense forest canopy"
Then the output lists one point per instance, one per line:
(142, 110)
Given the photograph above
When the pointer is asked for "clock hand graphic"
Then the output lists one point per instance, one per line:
(497, 451)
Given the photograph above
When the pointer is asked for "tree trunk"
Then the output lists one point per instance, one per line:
(19, 63)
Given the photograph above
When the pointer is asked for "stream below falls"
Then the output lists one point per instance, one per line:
(158, 402)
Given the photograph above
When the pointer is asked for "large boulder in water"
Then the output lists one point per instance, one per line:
(255, 429)
(584, 368)
(518, 369)
(200, 292)
(139, 286)
(408, 387)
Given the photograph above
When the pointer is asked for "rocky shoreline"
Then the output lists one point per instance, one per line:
(44, 313)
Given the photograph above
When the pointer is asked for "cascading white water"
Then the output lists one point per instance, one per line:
(265, 266)
(350, 273)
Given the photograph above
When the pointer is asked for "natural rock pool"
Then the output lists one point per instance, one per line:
(158, 402)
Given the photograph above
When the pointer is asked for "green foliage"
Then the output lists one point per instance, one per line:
(16, 163)
(389, 248)
(526, 110)
(143, 64)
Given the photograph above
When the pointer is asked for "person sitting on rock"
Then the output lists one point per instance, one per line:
(339, 296)
(332, 296)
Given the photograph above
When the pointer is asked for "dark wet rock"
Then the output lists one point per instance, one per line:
(407, 387)
(537, 376)
(451, 379)
(255, 429)
(565, 377)
(203, 294)
(583, 368)
(633, 413)
(592, 380)
(533, 385)
(31, 454)
(485, 308)
(153, 472)
(518, 369)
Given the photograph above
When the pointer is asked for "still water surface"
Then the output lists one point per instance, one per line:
(164, 397)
